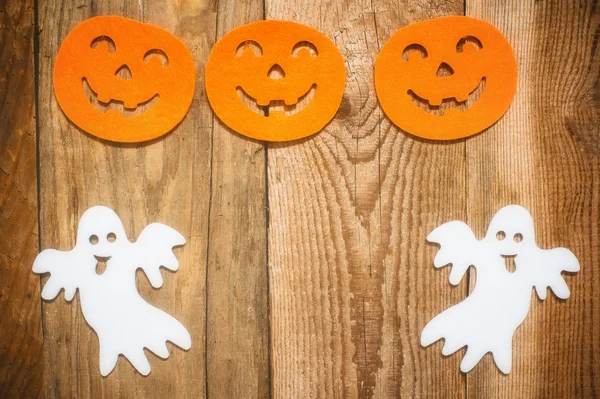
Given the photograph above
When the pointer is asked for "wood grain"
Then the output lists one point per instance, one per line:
(545, 155)
(237, 316)
(21, 352)
(352, 282)
(306, 272)
(167, 180)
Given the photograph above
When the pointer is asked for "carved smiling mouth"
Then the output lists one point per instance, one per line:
(277, 105)
(117, 104)
(448, 103)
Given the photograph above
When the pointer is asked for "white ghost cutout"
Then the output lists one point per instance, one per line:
(487, 319)
(110, 302)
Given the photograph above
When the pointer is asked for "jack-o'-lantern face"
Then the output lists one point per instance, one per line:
(446, 78)
(123, 80)
(275, 80)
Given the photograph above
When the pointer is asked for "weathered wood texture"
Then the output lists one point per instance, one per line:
(166, 181)
(306, 272)
(21, 352)
(201, 179)
(352, 281)
(545, 155)
(237, 317)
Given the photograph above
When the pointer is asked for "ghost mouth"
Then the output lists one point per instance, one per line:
(101, 264)
(277, 106)
(439, 107)
(509, 262)
(117, 105)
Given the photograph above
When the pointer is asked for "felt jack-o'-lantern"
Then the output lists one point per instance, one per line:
(446, 78)
(123, 80)
(275, 80)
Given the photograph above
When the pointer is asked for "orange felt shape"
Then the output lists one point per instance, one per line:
(446, 78)
(308, 86)
(141, 79)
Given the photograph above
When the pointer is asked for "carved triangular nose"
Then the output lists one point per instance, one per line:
(123, 72)
(276, 72)
(444, 70)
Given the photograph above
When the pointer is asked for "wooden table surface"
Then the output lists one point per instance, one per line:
(306, 271)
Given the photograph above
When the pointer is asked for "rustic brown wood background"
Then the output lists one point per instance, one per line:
(306, 272)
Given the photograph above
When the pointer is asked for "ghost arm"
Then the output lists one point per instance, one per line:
(457, 246)
(65, 272)
(154, 248)
(546, 271)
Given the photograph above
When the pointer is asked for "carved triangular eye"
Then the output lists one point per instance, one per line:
(288, 89)
(124, 73)
(276, 72)
(133, 91)
(444, 70)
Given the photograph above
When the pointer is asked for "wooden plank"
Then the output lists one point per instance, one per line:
(352, 280)
(237, 315)
(167, 180)
(21, 352)
(545, 155)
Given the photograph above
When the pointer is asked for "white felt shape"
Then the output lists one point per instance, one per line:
(487, 319)
(111, 304)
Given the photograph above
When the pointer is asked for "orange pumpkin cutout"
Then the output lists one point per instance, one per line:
(139, 79)
(446, 78)
(275, 80)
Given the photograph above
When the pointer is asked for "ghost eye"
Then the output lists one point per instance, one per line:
(94, 239)
(468, 43)
(304, 47)
(500, 235)
(157, 54)
(111, 237)
(413, 51)
(518, 237)
(104, 43)
(249, 47)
